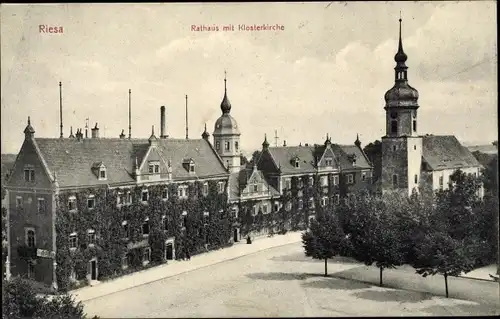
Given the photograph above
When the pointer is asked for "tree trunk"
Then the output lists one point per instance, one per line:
(381, 269)
(326, 268)
(446, 283)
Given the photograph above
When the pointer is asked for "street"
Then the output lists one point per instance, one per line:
(276, 282)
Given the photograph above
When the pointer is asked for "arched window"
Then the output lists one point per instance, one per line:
(30, 238)
(394, 127)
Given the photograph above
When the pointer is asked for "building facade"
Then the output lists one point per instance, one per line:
(411, 161)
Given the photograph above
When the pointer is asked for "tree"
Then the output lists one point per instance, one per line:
(451, 242)
(243, 159)
(374, 153)
(324, 239)
(374, 233)
(21, 301)
(255, 157)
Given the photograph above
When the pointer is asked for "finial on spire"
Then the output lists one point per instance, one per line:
(225, 104)
(225, 81)
(400, 56)
(205, 134)
(265, 144)
(152, 130)
(29, 121)
(357, 142)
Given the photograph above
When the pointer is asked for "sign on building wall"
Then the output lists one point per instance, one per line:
(45, 253)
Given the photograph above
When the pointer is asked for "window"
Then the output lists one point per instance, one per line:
(146, 255)
(31, 269)
(19, 202)
(256, 188)
(29, 174)
(191, 167)
(41, 207)
(394, 148)
(311, 180)
(119, 198)
(395, 180)
(335, 180)
(125, 262)
(73, 241)
(264, 208)
(129, 197)
(300, 204)
(72, 203)
(350, 179)
(300, 183)
(205, 189)
(296, 163)
(288, 183)
(90, 202)
(235, 212)
(102, 173)
(311, 203)
(324, 180)
(328, 161)
(221, 186)
(30, 237)
(144, 195)
(184, 219)
(125, 229)
(288, 206)
(416, 178)
(227, 146)
(91, 237)
(236, 146)
(276, 206)
(255, 209)
(441, 182)
(363, 176)
(164, 194)
(415, 147)
(151, 168)
(323, 201)
(414, 125)
(394, 127)
(217, 145)
(164, 223)
(311, 219)
(157, 168)
(182, 191)
(336, 199)
(145, 227)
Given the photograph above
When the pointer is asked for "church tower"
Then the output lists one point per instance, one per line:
(227, 135)
(401, 146)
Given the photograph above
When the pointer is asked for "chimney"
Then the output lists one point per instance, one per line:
(162, 122)
(122, 135)
(284, 143)
(95, 131)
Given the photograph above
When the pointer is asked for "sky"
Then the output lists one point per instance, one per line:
(326, 72)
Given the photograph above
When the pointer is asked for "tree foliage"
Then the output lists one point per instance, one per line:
(21, 301)
(325, 238)
(451, 243)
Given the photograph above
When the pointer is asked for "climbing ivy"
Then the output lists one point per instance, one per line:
(106, 220)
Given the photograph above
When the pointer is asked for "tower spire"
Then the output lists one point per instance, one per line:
(225, 104)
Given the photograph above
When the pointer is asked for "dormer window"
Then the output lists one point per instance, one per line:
(329, 162)
(29, 173)
(154, 167)
(188, 164)
(217, 145)
(100, 170)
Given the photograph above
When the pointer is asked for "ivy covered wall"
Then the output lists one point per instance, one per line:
(106, 220)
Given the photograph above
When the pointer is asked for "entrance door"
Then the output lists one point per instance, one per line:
(236, 235)
(93, 270)
(169, 253)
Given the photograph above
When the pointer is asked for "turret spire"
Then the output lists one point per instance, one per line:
(265, 144)
(225, 104)
(400, 56)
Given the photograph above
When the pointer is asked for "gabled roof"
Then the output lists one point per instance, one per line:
(73, 160)
(310, 155)
(238, 181)
(446, 152)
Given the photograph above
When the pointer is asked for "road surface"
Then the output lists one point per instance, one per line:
(273, 283)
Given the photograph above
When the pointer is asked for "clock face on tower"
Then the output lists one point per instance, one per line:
(394, 115)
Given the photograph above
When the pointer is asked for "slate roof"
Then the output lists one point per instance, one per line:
(72, 160)
(446, 152)
(238, 182)
(309, 155)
